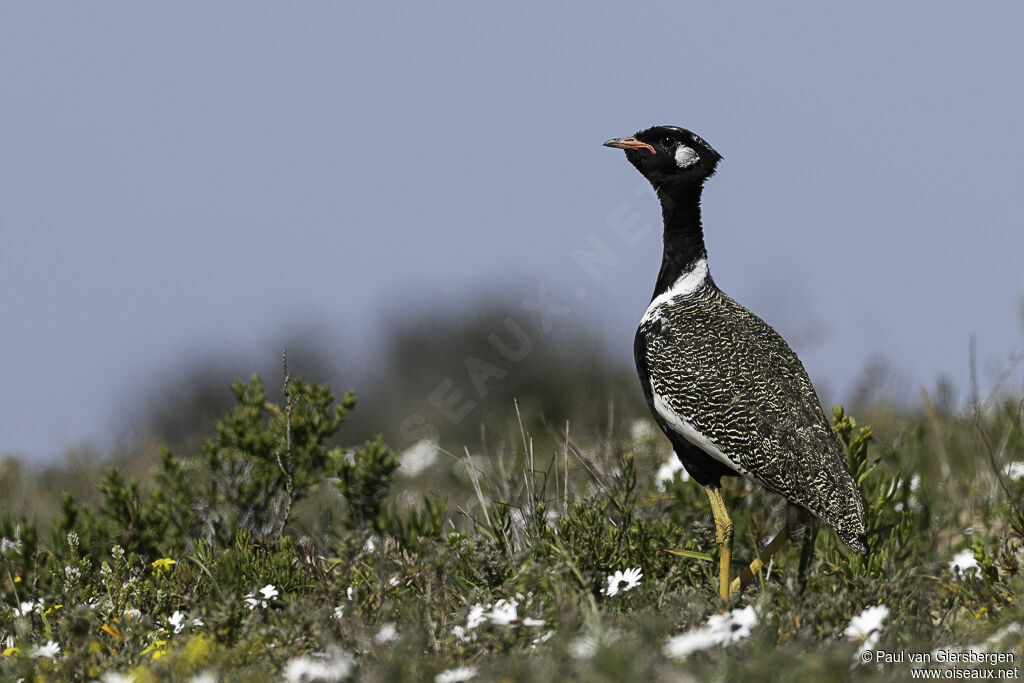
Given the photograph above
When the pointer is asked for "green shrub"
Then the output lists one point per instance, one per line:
(217, 567)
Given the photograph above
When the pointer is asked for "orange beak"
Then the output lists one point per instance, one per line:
(629, 143)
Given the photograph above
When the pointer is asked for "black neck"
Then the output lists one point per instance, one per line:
(684, 236)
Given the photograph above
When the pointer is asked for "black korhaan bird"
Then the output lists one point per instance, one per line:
(726, 389)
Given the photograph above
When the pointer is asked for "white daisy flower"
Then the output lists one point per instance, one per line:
(667, 472)
(418, 458)
(24, 609)
(542, 638)
(642, 430)
(476, 616)
(267, 592)
(456, 675)
(49, 650)
(867, 627)
(721, 629)
(387, 634)
(583, 647)
(504, 613)
(115, 677)
(867, 622)
(623, 581)
(328, 666)
(177, 621)
(965, 561)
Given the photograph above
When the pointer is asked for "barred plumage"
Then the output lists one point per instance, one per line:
(727, 373)
(726, 389)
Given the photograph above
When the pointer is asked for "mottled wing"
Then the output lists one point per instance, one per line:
(734, 386)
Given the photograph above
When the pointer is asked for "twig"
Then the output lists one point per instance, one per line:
(531, 494)
(474, 478)
(589, 466)
(287, 466)
(565, 481)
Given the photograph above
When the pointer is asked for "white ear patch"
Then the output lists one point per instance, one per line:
(685, 156)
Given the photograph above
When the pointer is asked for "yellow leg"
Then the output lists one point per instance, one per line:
(723, 536)
(748, 573)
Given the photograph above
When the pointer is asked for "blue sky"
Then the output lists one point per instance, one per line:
(203, 175)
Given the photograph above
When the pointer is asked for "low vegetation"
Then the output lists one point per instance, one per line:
(276, 553)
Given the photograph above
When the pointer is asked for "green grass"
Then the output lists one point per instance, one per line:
(402, 578)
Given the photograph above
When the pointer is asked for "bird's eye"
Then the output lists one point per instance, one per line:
(668, 143)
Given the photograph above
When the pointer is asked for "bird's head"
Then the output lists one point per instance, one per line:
(667, 155)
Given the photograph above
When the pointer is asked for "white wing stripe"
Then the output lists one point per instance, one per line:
(690, 433)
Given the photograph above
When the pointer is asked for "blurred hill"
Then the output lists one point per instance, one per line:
(453, 378)
(448, 377)
(443, 377)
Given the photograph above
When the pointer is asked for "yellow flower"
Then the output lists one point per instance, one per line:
(157, 649)
(198, 649)
(11, 651)
(17, 579)
(163, 564)
(52, 609)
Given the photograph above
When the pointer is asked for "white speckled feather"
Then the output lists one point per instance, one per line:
(687, 283)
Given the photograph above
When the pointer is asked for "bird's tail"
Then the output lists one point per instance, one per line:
(842, 508)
